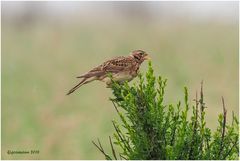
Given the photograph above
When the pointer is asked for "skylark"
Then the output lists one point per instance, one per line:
(121, 68)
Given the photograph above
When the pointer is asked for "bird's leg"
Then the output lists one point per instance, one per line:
(109, 84)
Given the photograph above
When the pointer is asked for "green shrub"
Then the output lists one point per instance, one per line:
(151, 129)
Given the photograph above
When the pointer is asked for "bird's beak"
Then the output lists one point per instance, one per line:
(147, 57)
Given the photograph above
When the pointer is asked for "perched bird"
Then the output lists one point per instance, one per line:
(121, 68)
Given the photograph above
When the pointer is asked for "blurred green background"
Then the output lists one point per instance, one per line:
(45, 45)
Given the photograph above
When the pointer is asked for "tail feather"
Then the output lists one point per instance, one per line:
(92, 74)
(77, 86)
(84, 81)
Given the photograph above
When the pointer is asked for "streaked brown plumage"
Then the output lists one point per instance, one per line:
(122, 69)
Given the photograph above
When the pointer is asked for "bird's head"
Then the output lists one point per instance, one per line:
(139, 55)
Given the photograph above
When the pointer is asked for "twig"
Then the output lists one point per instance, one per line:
(194, 128)
(123, 157)
(120, 156)
(196, 109)
(201, 98)
(122, 139)
(113, 151)
(224, 158)
(224, 117)
(223, 126)
(202, 116)
(100, 144)
(232, 118)
(101, 149)
(115, 106)
(98, 147)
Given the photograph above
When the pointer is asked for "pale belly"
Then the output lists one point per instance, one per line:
(119, 77)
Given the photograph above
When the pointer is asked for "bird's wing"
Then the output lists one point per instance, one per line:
(117, 65)
(97, 71)
(111, 66)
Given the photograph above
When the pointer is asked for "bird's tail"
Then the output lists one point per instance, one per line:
(84, 81)
(77, 86)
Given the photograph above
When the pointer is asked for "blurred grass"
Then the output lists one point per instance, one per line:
(40, 62)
